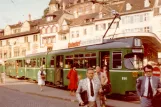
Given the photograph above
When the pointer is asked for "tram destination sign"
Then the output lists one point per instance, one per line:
(85, 42)
(137, 50)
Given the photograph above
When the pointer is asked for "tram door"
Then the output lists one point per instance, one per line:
(105, 60)
(58, 75)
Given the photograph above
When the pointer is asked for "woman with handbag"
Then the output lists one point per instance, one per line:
(41, 78)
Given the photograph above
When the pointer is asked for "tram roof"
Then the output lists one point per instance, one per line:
(37, 54)
(147, 38)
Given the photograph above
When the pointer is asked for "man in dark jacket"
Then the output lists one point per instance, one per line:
(147, 86)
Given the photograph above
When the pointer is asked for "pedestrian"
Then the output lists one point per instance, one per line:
(97, 74)
(147, 86)
(41, 78)
(104, 82)
(89, 85)
(3, 77)
(73, 80)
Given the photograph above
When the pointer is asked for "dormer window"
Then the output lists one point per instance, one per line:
(146, 3)
(128, 6)
(50, 18)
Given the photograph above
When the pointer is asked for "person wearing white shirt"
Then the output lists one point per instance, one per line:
(147, 86)
(91, 85)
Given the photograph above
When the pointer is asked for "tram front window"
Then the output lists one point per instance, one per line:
(133, 61)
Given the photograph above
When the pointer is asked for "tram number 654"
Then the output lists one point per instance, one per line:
(124, 78)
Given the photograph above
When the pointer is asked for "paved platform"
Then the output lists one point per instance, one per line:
(33, 88)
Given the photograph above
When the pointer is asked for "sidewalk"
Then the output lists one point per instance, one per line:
(32, 88)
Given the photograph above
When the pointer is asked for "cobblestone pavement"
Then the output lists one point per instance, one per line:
(11, 98)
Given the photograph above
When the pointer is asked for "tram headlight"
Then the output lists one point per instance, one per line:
(134, 74)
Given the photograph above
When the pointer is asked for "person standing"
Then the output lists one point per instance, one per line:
(104, 82)
(147, 86)
(73, 80)
(92, 86)
(41, 78)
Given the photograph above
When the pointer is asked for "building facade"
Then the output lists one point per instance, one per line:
(69, 24)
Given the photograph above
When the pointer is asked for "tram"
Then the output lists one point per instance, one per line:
(125, 55)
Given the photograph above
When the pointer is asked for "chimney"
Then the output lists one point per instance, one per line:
(75, 1)
(100, 15)
(19, 22)
(29, 17)
(75, 14)
(64, 5)
(82, 1)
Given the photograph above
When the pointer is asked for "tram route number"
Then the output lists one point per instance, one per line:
(124, 78)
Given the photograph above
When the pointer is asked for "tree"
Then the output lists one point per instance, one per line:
(46, 11)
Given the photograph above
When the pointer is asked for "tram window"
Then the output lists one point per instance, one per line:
(42, 61)
(38, 62)
(69, 57)
(80, 55)
(78, 63)
(33, 63)
(28, 62)
(117, 60)
(19, 62)
(89, 62)
(87, 55)
(93, 54)
(68, 61)
(76, 55)
(133, 61)
(52, 62)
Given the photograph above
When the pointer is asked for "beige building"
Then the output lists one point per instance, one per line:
(73, 23)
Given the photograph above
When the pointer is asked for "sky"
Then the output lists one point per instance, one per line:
(14, 11)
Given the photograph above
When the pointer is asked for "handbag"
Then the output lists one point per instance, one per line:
(106, 88)
(156, 101)
(42, 75)
(84, 97)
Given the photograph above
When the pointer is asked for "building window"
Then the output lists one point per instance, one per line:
(104, 26)
(48, 30)
(35, 38)
(49, 18)
(16, 52)
(43, 30)
(77, 34)
(147, 29)
(72, 34)
(7, 42)
(85, 31)
(146, 17)
(26, 39)
(96, 27)
(24, 52)
(128, 6)
(146, 3)
(49, 40)
(114, 25)
(1, 54)
(63, 37)
(16, 31)
(0, 43)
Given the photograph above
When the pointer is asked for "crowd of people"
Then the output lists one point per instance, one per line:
(97, 84)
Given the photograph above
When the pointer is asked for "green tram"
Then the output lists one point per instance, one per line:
(125, 57)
